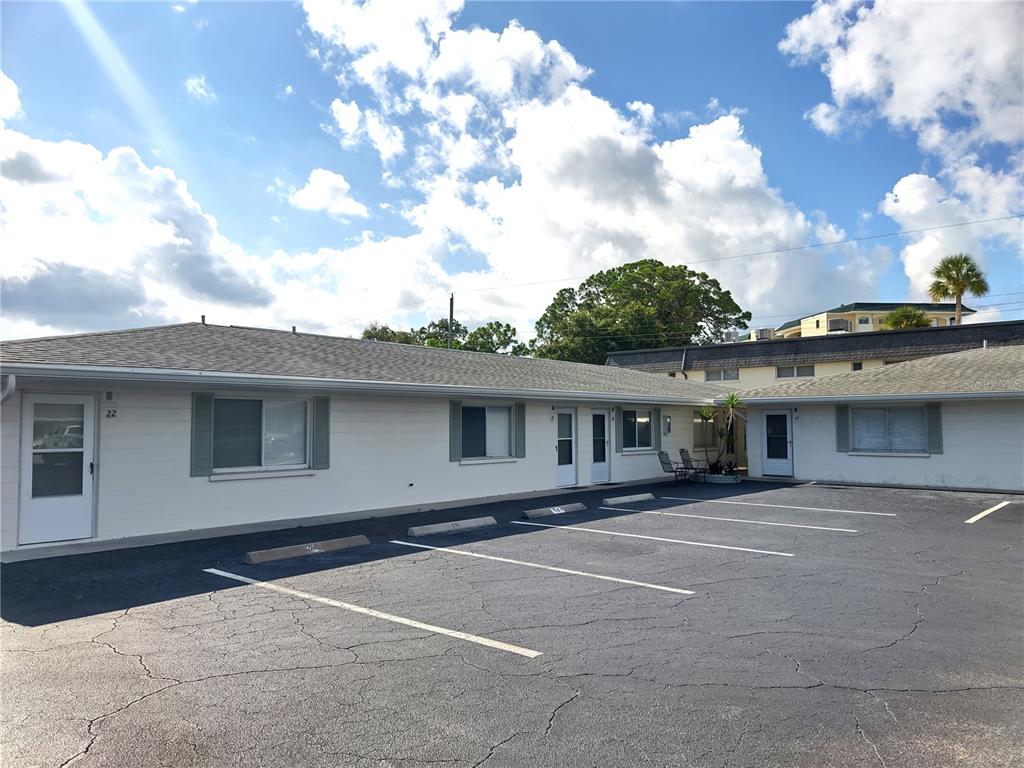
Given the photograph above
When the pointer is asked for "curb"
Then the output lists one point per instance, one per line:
(549, 511)
(629, 499)
(301, 550)
(453, 527)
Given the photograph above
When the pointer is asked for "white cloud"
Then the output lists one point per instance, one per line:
(914, 63)
(387, 139)
(286, 92)
(643, 111)
(347, 117)
(198, 89)
(946, 72)
(178, 8)
(10, 101)
(329, 192)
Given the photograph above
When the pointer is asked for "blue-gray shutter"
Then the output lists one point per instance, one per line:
(454, 430)
(618, 429)
(202, 435)
(519, 418)
(656, 428)
(843, 428)
(934, 427)
(321, 433)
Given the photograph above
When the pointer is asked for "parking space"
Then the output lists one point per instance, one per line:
(747, 625)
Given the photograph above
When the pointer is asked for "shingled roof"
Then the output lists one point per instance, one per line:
(989, 372)
(872, 345)
(193, 349)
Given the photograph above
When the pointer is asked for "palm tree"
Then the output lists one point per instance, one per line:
(905, 317)
(956, 275)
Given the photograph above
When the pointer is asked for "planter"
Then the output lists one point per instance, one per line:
(720, 479)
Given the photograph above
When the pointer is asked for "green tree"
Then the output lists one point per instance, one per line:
(435, 334)
(642, 304)
(495, 337)
(905, 317)
(956, 275)
(381, 332)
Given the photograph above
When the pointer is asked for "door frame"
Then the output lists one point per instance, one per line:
(91, 401)
(607, 413)
(575, 447)
(788, 413)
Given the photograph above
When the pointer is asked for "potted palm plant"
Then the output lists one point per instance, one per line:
(723, 420)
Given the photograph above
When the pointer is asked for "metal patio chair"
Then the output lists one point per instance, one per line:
(697, 467)
(677, 470)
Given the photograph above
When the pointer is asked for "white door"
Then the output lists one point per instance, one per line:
(57, 468)
(777, 456)
(565, 448)
(599, 467)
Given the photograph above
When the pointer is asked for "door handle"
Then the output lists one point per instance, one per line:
(92, 468)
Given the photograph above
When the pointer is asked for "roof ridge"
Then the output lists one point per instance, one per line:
(99, 333)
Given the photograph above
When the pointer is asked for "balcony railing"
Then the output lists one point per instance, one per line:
(839, 325)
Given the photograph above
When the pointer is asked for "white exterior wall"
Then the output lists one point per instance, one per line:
(387, 452)
(982, 442)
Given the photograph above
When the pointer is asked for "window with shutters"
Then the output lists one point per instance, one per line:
(252, 434)
(893, 430)
(486, 431)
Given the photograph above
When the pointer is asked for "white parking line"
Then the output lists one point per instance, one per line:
(781, 506)
(380, 615)
(653, 538)
(988, 511)
(548, 568)
(732, 520)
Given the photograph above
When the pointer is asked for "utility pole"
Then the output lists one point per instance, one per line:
(451, 318)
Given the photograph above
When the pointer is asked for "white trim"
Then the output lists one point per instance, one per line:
(914, 455)
(488, 460)
(222, 476)
(917, 397)
(214, 378)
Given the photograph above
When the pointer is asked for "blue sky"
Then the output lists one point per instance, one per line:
(739, 162)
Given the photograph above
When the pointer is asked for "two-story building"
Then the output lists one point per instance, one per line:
(859, 317)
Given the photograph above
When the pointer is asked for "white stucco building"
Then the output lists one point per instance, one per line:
(132, 437)
(949, 421)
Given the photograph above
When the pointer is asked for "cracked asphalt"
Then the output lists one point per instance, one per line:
(897, 645)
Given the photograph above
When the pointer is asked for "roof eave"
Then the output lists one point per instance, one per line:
(923, 396)
(260, 381)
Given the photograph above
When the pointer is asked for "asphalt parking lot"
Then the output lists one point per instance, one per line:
(752, 625)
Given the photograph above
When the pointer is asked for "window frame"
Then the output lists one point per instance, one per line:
(889, 450)
(794, 374)
(262, 467)
(511, 455)
(857, 365)
(721, 374)
(636, 432)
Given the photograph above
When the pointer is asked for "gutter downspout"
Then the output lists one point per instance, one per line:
(9, 386)
(682, 365)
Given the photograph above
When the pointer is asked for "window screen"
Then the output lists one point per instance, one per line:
(237, 433)
(474, 432)
(284, 432)
(901, 430)
(499, 431)
(486, 431)
(259, 433)
(636, 429)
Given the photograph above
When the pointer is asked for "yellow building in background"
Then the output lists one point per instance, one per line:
(858, 317)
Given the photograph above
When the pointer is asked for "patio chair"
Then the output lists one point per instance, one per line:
(698, 467)
(677, 470)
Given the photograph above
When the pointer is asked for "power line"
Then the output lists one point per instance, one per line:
(670, 334)
(751, 254)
